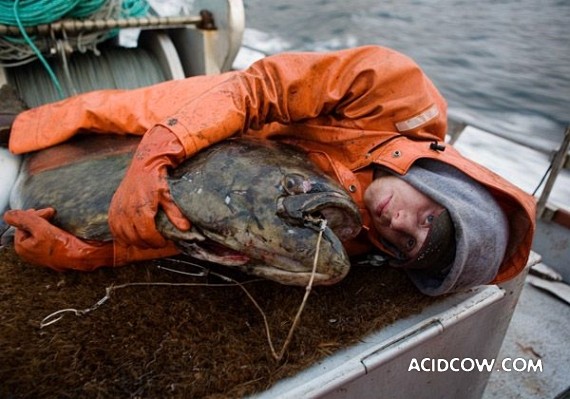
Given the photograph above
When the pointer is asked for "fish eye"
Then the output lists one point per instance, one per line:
(295, 183)
(410, 244)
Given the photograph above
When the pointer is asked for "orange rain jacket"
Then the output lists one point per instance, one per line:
(348, 109)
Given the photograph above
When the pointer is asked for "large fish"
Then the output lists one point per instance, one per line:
(256, 205)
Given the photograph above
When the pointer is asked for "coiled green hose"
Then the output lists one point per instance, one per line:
(38, 12)
(24, 13)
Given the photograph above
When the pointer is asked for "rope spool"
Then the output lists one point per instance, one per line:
(37, 12)
(16, 50)
(114, 68)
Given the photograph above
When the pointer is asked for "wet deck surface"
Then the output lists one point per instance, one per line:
(539, 330)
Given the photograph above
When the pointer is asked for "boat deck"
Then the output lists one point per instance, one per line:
(538, 330)
(539, 327)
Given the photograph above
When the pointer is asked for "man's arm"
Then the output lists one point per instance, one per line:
(364, 89)
(368, 89)
(39, 242)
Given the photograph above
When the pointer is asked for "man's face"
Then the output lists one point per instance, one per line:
(400, 213)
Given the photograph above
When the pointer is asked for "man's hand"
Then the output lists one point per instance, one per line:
(144, 189)
(40, 242)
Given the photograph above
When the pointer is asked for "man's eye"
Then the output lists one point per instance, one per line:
(430, 219)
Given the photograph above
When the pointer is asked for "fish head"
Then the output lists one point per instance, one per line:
(310, 199)
(263, 207)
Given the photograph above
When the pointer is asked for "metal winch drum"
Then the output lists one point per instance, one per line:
(80, 55)
(47, 62)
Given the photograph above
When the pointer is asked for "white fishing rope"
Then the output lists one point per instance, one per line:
(15, 51)
(308, 288)
(58, 315)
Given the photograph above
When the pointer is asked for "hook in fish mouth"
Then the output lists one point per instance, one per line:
(311, 208)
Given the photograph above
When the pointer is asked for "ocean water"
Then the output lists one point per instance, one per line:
(503, 65)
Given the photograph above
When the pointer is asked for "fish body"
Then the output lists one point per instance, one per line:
(256, 205)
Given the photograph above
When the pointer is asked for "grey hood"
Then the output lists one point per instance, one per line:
(481, 228)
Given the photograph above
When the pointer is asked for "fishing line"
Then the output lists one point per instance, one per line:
(56, 316)
(204, 272)
(36, 51)
(308, 288)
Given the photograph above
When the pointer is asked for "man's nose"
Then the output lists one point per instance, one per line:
(401, 220)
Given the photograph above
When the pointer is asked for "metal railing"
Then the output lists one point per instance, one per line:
(560, 159)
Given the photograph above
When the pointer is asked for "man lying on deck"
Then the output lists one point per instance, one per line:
(367, 116)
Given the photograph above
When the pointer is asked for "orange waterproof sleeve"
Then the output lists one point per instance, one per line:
(105, 111)
(41, 243)
(367, 88)
(145, 189)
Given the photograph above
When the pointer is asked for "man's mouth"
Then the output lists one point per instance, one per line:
(382, 205)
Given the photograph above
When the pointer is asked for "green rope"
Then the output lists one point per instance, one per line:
(34, 12)
(37, 51)
(134, 8)
(25, 13)
(85, 8)
(38, 12)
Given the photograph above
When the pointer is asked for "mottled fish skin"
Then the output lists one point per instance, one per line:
(78, 179)
(259, 198)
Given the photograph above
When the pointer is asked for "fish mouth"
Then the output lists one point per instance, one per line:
(310, 209)
(212, 251)
(285, 259)
(307, 210)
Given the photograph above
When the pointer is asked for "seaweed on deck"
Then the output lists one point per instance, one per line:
(177, 342)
